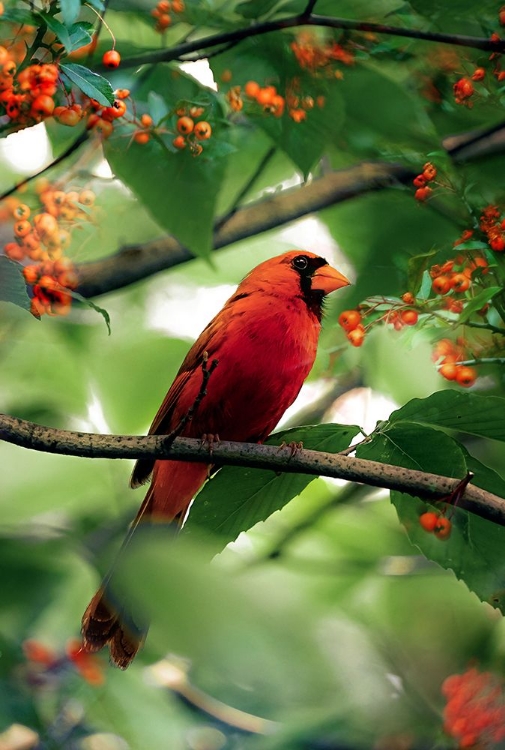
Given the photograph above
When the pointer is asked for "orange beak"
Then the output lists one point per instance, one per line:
(327, 279)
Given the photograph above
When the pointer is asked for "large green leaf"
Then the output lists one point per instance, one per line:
(473, 413)
(12, 284)
(95, 86)
(178, 189)
(237, 498)
(474, 551)
(415, 446)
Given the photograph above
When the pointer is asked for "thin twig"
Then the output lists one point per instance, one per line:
(247, 187)
(82, 138)
(315, 463)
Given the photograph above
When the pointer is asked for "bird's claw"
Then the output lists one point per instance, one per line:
(293, 447)
(209, 440)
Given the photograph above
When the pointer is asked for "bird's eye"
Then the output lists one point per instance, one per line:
(300, 262)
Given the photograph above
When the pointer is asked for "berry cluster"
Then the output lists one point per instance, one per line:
(42, 235)
(319, 56)
(44, 663)
(454, 284)
(162, 13)
(474, 714)
(437, 524)
(101, 119)
(26, 97)
(421, 182)
(448, 355)
(268, 100)
(492, 224)
(192, 131)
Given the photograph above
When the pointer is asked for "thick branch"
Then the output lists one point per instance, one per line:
(135, 262)
(180, 51)
(316, 463)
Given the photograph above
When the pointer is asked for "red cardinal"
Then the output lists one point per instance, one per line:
(265, 340)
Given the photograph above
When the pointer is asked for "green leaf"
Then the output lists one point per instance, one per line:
(237, 498)
(70, 10)
(478, 302)
(416, 268)
(474, 551)
(178, 189)
(12, 284)
(91, 84)
(415, 446)
(473, 413)
(59, 30)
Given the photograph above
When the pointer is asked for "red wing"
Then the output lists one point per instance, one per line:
(162, 423)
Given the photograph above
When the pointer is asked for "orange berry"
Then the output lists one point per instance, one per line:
(122, 93)
(185, 125)
(86, 197)
(443, 528)
(497, 243)
(356, 336)
(31, 274)
(68, 116)
(226, 75)
(448, 371)
(141, 137)
(460, 282)
(179, 142)
(146, 120)
(251, 89)
(196, 111)
(119, 108)
(349, 319)
(178, 6)
(163, 22)
(409, 317)
(42, 106)
(478, 74)
(68, 279)
(266, 95)
(423, 193)
(22, 228)
(45, 224)
(21, 211)
(466, 376)
(104, 127)
(111, 59)
(37, 652)
(14, 251)
(429, 521)
(202, 130)
(408, 298)
(429, 171)
(419, 181)
(441, 284)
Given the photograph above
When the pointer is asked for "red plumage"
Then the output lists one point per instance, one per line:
(265, 340)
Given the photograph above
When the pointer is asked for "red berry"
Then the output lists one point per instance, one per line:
(443, 528)
(111, 59)
(429, 521)
(409, 317)
(349, 319)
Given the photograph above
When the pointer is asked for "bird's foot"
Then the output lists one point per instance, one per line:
(293, 447)
(208, 441)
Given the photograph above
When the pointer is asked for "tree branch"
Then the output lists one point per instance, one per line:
(180, 51)
(226, 453)
(135, 262)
